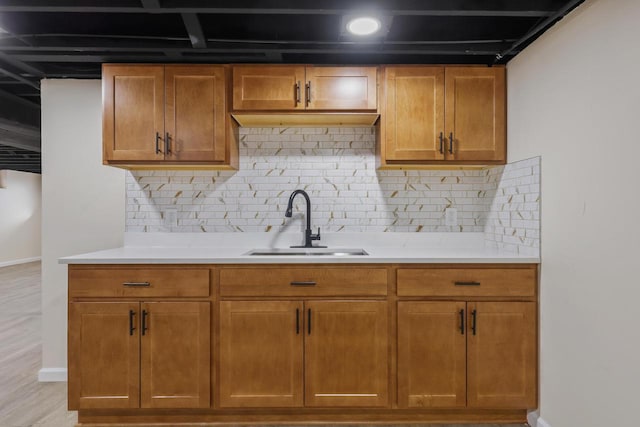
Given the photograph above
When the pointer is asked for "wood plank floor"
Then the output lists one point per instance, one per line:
(24, 402)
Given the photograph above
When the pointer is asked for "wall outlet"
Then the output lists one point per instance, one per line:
(171, 217)
(451, 216)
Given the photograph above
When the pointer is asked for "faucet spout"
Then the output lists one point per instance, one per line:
(308, 235)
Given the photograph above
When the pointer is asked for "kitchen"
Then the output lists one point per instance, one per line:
(550, 114)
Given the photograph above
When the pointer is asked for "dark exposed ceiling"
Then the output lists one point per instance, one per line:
(18, 159)
(71, 38)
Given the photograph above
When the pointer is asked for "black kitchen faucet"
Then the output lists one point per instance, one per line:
(308, 236)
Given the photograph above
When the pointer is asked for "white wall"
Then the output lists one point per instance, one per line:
(574, 98)
(19, 217)
(83, 202)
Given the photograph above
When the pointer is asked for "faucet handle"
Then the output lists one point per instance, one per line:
(316, 236)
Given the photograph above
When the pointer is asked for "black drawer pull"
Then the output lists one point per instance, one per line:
(473, 323)
(137, 284)
(303, 283)
(462, 321)
(467, 283)
(145, 313)
(131, 327)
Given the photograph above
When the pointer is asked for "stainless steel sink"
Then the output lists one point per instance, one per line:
(307, 252)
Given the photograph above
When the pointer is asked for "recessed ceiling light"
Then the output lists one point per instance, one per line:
(363, 26)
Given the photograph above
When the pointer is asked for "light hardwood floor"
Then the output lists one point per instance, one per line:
(24, 402)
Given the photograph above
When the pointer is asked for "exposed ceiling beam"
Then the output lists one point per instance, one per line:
(516, 12)
(19, 78)
(97, 43)
(21, 65)
(151, 4)
(569, 5)
(18, 136)
(217, 55)
(194, 29)
(8, 96)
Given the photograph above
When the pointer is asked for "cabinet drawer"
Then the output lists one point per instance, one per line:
(467, 282)
(303, 282)
(134, 282)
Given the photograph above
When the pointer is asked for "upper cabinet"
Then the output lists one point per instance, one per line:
(169, 116)
(173, 115)
(268, 88)
(341, 88)
(413, 120)
(133, 112)
(294, 88)
(442, 115)
(475, 113)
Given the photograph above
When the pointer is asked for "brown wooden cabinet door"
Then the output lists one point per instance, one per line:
(432, 354)
(261, 354)
(346, 354)
(475, 113)
(132, 112)
(502, 355)
(175, 355)
(268, 88)
(341, 88)
(195, 113)
(104, 355)
(413, 113)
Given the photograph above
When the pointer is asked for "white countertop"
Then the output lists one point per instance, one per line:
(231, 248)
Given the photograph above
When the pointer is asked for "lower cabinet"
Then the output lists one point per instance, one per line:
(337, 348)
(302, 344)
(475, 354)
(261, 354)
(139, 355)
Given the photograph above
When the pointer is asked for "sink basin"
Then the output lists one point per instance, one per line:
(307, 252)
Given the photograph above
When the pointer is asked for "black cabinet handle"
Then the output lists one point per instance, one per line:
(131, 324)
(297, 321)
(158, 143)
(441, 142)
(467, 283)
(297, 93)
(144, 322)
(309, 321)
(462, 321)
(137, 284)
(451, 143)
(307, 88)
(310, 283)
(473, 322)
(166, 143)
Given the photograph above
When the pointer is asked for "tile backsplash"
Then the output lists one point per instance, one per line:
(513, 216)
(336, 166)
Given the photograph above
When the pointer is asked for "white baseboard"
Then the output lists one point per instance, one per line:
(19, 261)
(52, 375)
(532, 418)
(543, 423)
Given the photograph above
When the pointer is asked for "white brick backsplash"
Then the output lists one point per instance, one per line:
(512, 220)
(336, 166)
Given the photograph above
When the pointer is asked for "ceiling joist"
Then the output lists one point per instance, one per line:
(194, 29)
(526, 9)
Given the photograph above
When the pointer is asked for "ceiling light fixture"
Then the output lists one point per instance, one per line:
(363, 26)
